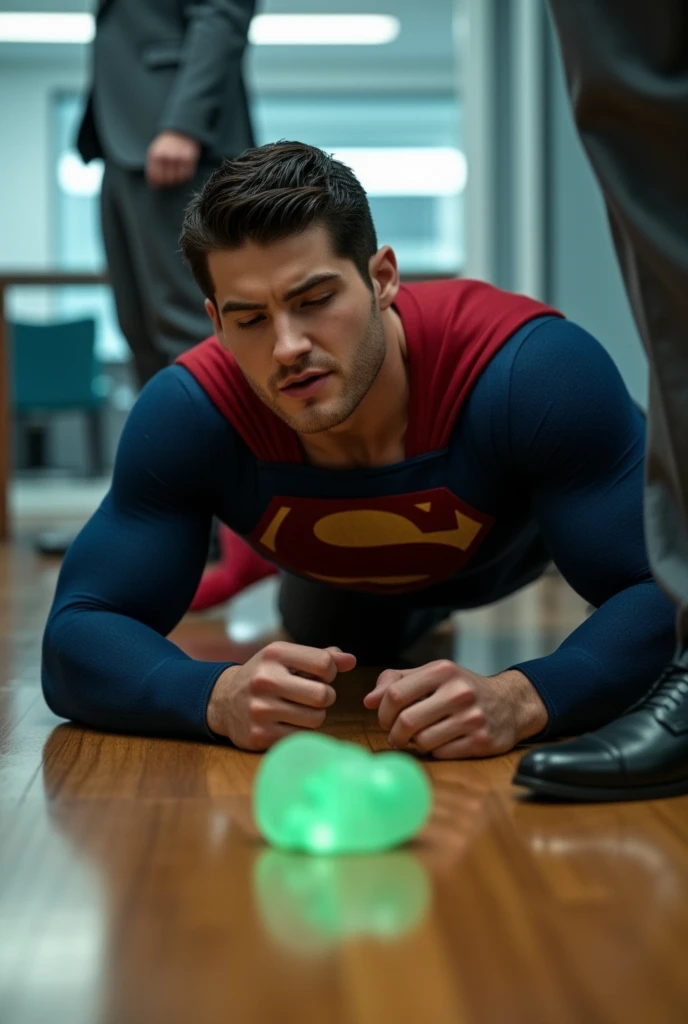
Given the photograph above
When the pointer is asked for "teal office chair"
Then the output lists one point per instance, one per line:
(54, 370)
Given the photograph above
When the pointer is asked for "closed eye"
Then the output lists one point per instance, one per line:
(317, 302)
(307, 302)
(249, 323)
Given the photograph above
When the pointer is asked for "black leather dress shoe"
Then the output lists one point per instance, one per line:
(642, 755)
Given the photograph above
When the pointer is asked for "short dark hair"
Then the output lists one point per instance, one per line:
(273, 191)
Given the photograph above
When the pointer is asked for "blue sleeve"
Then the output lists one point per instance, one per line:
(574, 436)
(131, 573)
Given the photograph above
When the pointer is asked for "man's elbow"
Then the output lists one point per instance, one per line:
(58, 694)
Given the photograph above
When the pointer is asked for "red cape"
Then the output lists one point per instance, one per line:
(453, 329)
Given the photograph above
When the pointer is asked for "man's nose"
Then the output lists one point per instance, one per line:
(290, 343)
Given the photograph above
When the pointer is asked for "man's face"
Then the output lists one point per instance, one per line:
(302, 325)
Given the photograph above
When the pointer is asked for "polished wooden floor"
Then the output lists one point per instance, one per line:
(133, 887)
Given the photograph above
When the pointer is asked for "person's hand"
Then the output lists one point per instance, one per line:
(450, 712)
(281, 689)
(171, 159)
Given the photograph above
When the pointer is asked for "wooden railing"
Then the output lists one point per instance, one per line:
(12, 279)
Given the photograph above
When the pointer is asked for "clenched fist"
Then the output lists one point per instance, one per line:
(283, 688)
(171, 159)
(448, 711)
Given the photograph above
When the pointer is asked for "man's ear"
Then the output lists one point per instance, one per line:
(384, 273)
(211, 310)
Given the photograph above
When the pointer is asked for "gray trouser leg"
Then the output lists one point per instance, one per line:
(626, 63)
(127, 282)
(159, 307)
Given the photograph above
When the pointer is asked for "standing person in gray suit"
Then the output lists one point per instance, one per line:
(167, 104)
(627, 68)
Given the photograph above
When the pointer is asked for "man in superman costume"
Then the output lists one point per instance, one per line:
(398, 451)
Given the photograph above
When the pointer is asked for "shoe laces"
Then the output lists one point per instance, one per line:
(668, 692)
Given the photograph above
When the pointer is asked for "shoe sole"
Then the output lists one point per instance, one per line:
(595, 794)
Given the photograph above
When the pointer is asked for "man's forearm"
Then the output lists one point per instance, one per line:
(606, 664)
(111, 672)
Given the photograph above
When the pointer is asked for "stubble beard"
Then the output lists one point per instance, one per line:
(366, 364)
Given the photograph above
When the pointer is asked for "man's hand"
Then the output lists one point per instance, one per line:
(171, 159)
(450, 712)
(283, 688)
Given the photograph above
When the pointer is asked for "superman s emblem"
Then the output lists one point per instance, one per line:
(382, 545)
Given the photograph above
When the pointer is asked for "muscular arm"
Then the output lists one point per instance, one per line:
(213, 48)
(576, 438)
(130, 575)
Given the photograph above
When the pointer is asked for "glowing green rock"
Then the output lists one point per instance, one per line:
(315, 794)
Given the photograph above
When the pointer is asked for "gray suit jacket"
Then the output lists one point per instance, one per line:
(167, 64)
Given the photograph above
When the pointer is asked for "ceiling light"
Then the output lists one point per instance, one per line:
(265, 30)
(39, 27)
(323, 29)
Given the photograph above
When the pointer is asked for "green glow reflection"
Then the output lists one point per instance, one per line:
(310, 904)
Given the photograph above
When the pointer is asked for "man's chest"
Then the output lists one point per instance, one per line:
(390, 531)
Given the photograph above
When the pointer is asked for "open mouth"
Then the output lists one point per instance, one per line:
(304, 388)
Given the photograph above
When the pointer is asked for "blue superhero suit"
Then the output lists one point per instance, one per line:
(539, 459)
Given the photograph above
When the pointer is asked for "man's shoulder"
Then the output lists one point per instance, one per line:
(176, 390)
(174, 405)
(469, 303)
(453, 330)
(173, 439)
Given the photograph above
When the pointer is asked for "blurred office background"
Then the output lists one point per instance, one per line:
(453, 114)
